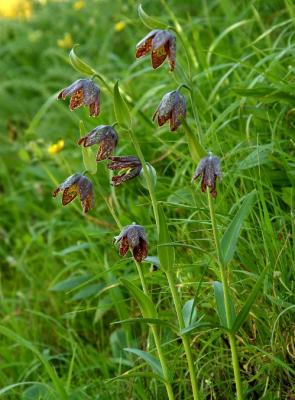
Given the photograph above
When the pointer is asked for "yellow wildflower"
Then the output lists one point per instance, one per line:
(119, 26)
(78, 5)
(15, 8)
(66, 42)
(56, 147)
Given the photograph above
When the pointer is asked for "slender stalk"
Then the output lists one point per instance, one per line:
(152, 326)
(157, 338)
(170, 277)
(185, 341)
(226, 294)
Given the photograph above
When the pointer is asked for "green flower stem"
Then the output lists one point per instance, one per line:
(185, 340)
(224, 279)
(152, 326)
(146, 175)
(170, 277)
(157, 339)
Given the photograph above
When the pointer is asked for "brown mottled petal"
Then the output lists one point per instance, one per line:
(159, 56)
(140, 251)
(57, 190)
(124, 246)
(105, 150)
(145, 45)
(118, 162)
(83, 141)
(69, 194)
(77, 100)
(203, 184)
(119, 179)
(162, 119)
(172, 53)
(174, 121)
(94, 109)
(143, 49)
(213, 192)
(87, 202)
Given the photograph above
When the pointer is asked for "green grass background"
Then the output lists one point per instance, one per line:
(241, 56)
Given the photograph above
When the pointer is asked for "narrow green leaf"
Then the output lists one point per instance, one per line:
(189, 312)
(89, 161)
(197, 325)
(88, 291)
(121, 109)
(70, 283)
(148, 21)
(243, 314)
(154, 321)
(147, 308)
(78, 64)
(166, 251)
(232, 233)
(195, 148)
(259, 156)
(220, 304)
(149, 359)
(72, 249)
(219, 299)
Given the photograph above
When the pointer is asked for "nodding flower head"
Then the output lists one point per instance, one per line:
(129, 165)
(161, 44)
(83, 92)
(74, 185)
(209, 168)
(171, 108)
(105, 136)
(133, 237)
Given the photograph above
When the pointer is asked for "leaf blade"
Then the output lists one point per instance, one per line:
(230, 238)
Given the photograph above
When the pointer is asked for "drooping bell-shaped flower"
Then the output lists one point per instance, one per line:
(171, 108)
(209, 169)
(133, 237)
(129, 166)
(83, 92)
(76, 185)
(105, 136)
(161, 44)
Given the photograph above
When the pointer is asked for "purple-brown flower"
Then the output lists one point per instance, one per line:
(161, 44)
(129, 165)
(83, 92)
(171, 108)
(209, 168)
(105, 136)
(133, 237)
(74, 185)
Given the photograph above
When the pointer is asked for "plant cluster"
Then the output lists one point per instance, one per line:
(161, 45)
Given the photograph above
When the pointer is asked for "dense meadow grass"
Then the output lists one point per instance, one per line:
(67, 308)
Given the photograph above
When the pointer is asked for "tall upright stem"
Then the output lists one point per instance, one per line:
(153, 327)
(226, 294)
(170, 276)
(157, 339)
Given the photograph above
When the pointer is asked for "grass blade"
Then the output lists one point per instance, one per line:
(243, 314)
(149, 359)
(232, 233)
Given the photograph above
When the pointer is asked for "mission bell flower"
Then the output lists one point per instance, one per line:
(172, 107)
(133, 237)
(209, 168)
(74, 185)
(130, 165)
(105, 136)
(83, 92)
(161, 44)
